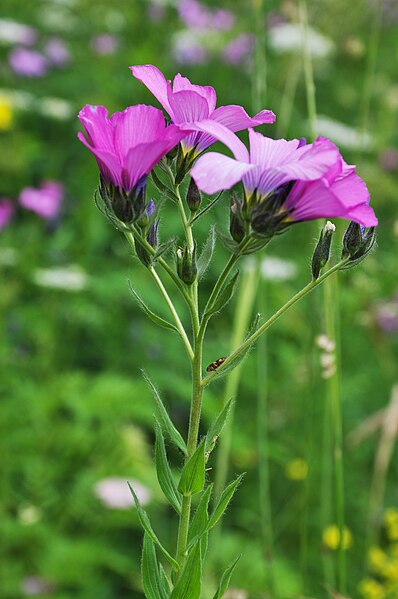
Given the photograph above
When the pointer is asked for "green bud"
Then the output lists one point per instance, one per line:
(322, 251)
(236, 221)
(193, 198)
(357, 242)
(186, 264)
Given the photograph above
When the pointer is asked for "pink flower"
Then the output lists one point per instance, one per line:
(115, 493)
(284, 181)
(6, 212)
(28, 62)
(128, 144)
(187, 103)
(238, 49)
(45, 200)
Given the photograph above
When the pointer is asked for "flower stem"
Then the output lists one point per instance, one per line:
(246, 344)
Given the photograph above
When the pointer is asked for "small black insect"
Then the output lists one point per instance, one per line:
(214, 365)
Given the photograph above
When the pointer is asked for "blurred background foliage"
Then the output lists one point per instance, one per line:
(76, 415)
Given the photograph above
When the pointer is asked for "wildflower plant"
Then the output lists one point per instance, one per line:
(276, 184)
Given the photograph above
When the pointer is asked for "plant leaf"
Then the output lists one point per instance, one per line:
(151, 580)
(154, 317)
(164, 247)
(225, 580)
(146, 525)
(197, 529)
(193, 474)
(188, 585)
(165, 476)
(165, 419)
(218, 425)
(225, 295)
(163, 187)
(223, 502)
(206, 253)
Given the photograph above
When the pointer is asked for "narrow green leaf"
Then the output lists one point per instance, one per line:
(146, 525)
(165, 419)
(153, 584)
(193, 474)
(154, 317)
(188, 585)
(165, 476)
(164, 247)
(227, 242)
(197, 529)
(223, 502)
(164, 581)
(206, 253)
(163, 187)
(206, 208)
(218, 425)
(225, 580)
(225, 295)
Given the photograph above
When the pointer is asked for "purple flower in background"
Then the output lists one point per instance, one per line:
(388, 159)
(222, 20)
(57, 52)
(114, 493)
(156, 12)
(45, 200)
(187, 103)
(104, 44)
(194, 14)
(187, 49)
(289, 181)
(239, 49)
(28, 62)
(386, 313)
(33, 585)
(6, 212)
(128, 144)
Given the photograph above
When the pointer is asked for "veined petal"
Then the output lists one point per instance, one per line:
(363, 215)
(97, 125)
(205, 91)
(107, 162)
(142, 158)
(268, 153)
(214, 172)
(188, 106)
(236, 118)
(155, 81)
(135, 125)
(221, 133)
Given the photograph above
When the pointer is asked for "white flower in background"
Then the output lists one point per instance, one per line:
(58, 18)
(12, 32)
(115, 493)
(29, 515)
(68, 278)
(277, 269)
(342, 134)
(188, 47)
(53, 108)
(33, 585)
(288, 37)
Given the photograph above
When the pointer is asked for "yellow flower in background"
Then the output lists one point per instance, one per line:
(390, 570)
(296, 469)
(331, 537)
(371, 589)
(377, 558)
(6, 114)
(391, 523)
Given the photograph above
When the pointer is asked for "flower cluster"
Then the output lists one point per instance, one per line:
(283, 181)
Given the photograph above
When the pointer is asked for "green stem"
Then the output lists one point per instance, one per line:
(173, 311)
(308, 70)
(250, 340)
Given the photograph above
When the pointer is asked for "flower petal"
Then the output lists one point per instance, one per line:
(214, 172)
(135, 125)
(221, 133)
(188, 106)
(97, 125)
(206, 91)
(155, 81)
(107, 162)
(236, 118)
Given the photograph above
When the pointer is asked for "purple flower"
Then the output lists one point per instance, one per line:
(33, 585)
(187, 103)
(6, 212)
(222, 20)
(45, 200)
(104, 44)
(128, 144)
(388, 159)
(187, 49)
(288, 180)
(238, 49)
(194, 14)
(386, 312)
(57, 52)
(28, 62)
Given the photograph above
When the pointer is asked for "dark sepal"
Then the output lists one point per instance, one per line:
(322, 251)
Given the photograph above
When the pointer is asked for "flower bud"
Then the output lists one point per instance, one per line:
(193, 198)
(322, 251)
(357, 242)
(236, 220)
(126, 207)
(186, 264)
(148, 228)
